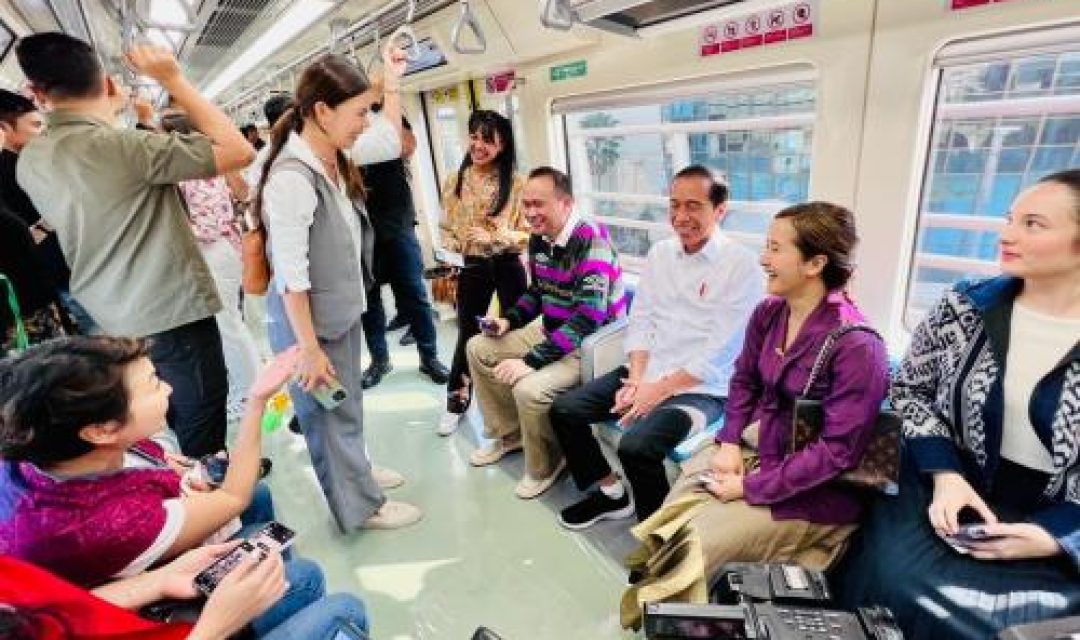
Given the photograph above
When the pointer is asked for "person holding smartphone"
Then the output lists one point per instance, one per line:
(990, 395)
(311, 198)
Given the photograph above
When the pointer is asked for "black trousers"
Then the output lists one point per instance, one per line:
(399, 264)
(190, 359)
(503, 275)
(643, 446)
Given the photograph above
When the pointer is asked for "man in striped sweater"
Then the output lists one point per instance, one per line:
(519, 366)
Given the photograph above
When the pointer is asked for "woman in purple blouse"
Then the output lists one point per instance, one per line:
(762, 503)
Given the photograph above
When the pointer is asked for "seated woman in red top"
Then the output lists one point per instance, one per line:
(768, 504)
(83, 492)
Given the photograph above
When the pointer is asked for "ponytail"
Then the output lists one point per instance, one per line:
(291, 121)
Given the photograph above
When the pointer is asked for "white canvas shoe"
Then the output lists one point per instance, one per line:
(394, 515)
(448, 423)
(530, 487)
(387, 478)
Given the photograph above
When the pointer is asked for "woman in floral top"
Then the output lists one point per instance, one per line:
(485, 225)
(216, 226)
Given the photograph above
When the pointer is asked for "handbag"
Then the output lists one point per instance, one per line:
(256, 267)
(879, 467)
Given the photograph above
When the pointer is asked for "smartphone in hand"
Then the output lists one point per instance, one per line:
(273, 537)
(488, 326)
(330, 394)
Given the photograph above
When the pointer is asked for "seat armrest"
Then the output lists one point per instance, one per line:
(602, 351)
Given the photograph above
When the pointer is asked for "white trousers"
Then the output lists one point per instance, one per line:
(241, 353)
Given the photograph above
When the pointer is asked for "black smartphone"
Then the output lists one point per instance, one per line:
(211, 577)
(274, 537)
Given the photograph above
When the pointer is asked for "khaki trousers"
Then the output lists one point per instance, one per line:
(737, 531)
(521, 408)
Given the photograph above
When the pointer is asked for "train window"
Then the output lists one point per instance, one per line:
(448, 115)
(622, 156)
(999, 125)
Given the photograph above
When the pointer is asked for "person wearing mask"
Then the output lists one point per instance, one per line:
(397, 262)
(483, 223)
(217, 229)
(111, 195)
(989, 391)
(765, 503)
(686, 328)
(310, 198)
(520, 366)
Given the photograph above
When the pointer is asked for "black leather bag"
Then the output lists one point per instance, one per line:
(879, 467)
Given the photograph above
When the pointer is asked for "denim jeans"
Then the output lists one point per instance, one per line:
(191, 360)
(323, 619)
(398, 263)
(306, 586)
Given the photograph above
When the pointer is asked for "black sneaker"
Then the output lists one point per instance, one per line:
(407, 338)
(374, 374)
(596, 507)
(398, 322)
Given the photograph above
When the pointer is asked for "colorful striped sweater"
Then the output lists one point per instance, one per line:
(577, 289)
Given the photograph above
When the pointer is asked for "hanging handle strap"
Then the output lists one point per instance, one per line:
(826, 351)
(22, 340)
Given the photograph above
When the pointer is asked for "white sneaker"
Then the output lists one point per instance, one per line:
(493, 452)
(387, 478)
(394, 515)
(448, 423)
(531, 487)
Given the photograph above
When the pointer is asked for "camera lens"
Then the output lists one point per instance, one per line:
(339, 395)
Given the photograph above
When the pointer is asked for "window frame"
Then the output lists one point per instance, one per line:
(956, 53)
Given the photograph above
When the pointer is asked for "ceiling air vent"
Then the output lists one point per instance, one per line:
(632, 15)
(228, 21)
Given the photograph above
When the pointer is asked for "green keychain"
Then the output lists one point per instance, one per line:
(22, 341)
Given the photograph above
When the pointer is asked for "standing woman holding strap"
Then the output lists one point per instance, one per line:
(485, 225)
(310, 197)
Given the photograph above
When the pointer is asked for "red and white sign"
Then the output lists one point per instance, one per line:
(791, 21)
(956, 5)
(499, 82)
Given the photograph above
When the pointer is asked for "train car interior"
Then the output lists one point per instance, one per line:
(925, 118)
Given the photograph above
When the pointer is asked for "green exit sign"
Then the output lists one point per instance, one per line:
(570, 70)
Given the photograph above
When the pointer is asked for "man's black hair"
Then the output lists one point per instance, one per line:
(718, 191)
(14, 106)
(60, 66)
(275, 107)
(561, 181)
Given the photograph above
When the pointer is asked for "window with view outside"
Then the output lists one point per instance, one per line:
(998, 127)
(622, 159)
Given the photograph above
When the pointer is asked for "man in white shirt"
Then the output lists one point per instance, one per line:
(694, 297)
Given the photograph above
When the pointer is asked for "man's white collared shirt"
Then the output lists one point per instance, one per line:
(690, 310)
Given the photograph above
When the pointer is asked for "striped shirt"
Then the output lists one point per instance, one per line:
(577, 287)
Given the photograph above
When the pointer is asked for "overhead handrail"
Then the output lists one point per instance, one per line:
(467, 20)
(557, 14)
(376, 54)
(338, 28)
(410, 43)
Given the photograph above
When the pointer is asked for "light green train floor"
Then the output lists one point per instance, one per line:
(479, 557)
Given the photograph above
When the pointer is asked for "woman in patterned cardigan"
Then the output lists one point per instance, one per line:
(990, 395)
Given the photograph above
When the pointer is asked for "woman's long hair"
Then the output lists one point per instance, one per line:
(332, 79)
(488, 124)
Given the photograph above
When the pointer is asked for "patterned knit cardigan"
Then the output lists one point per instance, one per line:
(949, 391)
(577, 289)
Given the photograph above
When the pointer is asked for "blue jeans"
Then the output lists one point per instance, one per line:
(306, 586)
(321, 620)
(398, 263)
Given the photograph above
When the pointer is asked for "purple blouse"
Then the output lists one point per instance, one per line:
(764, 387)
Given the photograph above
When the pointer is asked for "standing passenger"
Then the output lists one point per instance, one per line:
(111, 195)
(990, 395)
(520, 366)
(397, 263)
(484, 224)
(216, 227)
(311, 199)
